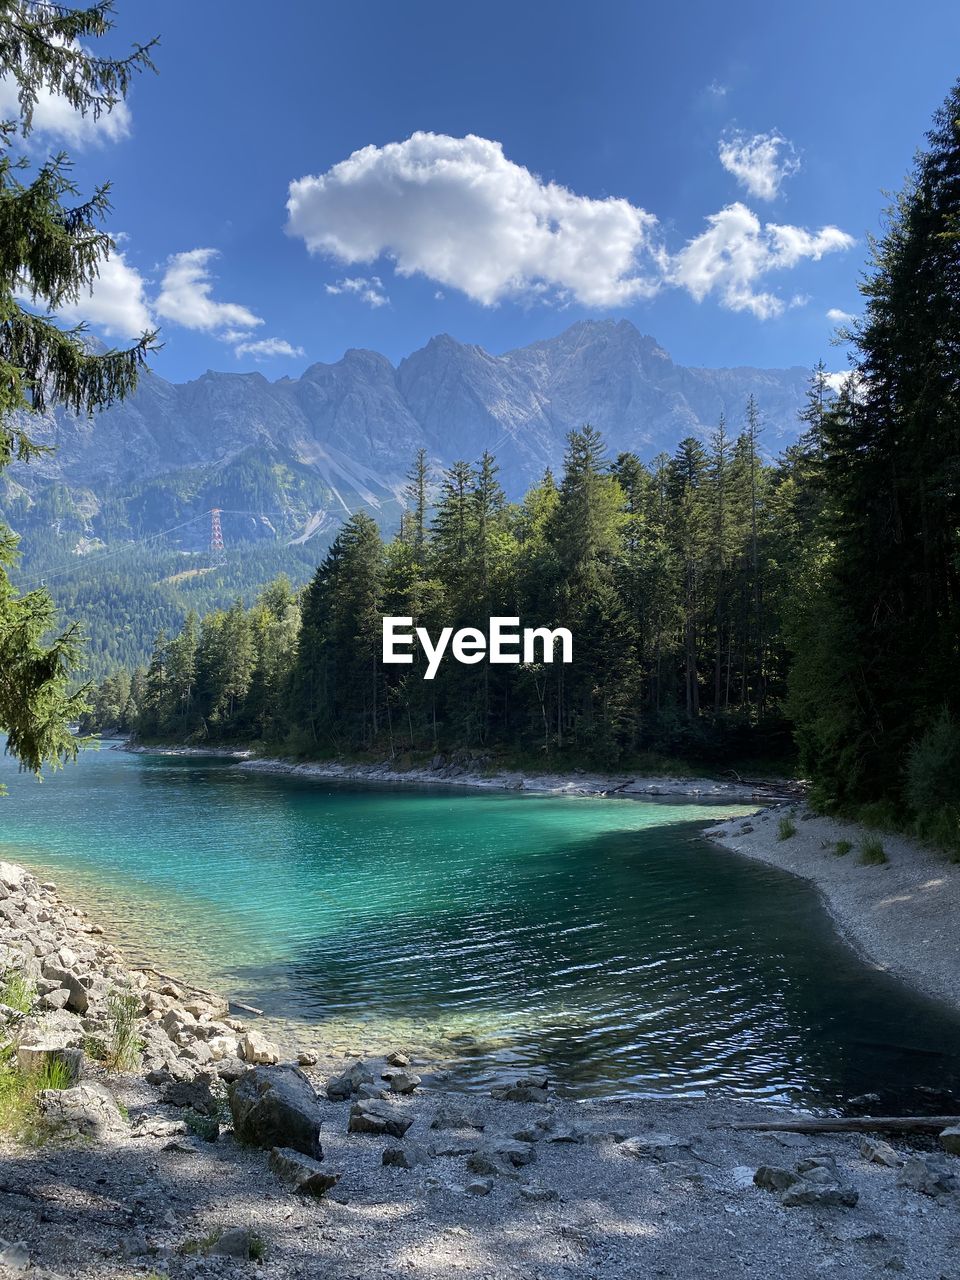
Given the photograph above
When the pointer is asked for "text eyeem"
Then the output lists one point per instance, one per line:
(504, 643)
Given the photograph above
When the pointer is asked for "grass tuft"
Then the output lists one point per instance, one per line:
(125, 1044)
(842, 848)
(786, 828)
(17, 991)
(872, 852)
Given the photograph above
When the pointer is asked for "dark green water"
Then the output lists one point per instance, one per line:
(603, 939)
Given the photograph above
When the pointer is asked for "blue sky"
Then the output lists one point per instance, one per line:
(710, 172)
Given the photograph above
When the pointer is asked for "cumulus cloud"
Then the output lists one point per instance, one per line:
(186, 297)
(368, 290)
(54, 117)
(836, 316)
(457, 211)
(264, 348)
(736, 251)
(759, 163)
(116, 303)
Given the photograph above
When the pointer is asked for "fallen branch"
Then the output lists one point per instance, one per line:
(857, 1124)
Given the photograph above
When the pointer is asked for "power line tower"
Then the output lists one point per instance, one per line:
(218, 555)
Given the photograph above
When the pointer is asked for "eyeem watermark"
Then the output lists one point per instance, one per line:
(504, 644)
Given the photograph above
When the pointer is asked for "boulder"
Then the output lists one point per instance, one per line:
(451, 1117)
(79, 998)
(770, 1178)
(379, 1118)
(36, 1058)
(509, 1149)
(403, 1081)
(276, 1107)
(811, 1195)
(487, 1162)
(479, 1186)
(302, 1173)
(196, 1094)
(256, 1049)
(89, 1110)
(876, 1151)
(930, 1175)
(526, 1089)
(950, 1140)
(233, 1242)
(407, 1157)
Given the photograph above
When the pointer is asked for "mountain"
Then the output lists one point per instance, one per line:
(291, 457)
(116, 519)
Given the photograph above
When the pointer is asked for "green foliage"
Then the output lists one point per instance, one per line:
(16, 990)
(123, 1009)
(51, 248)
(872, 852)
(786, 828)
(876, 675)
(842, 848)
(19, 1093)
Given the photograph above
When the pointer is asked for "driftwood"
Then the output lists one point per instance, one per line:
(857, 1124)
(190, 986)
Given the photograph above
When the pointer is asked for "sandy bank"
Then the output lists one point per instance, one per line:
(900, 916)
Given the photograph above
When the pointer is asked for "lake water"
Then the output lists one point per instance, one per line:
(605, 940)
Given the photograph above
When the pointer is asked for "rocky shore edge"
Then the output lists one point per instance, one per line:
(207, 1155)
(466, 769)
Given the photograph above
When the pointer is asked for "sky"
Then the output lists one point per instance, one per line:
(306, 178)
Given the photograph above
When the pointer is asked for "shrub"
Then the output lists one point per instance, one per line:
(786, 828)
(872, 852)
(932, 773)
(19, 1090)
(842, 847)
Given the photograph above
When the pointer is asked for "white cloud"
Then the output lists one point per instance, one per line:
(116, 303)
(185, 298)
(736, 252)
(367, 290)
(264, 348)
(759, 163)
(54, 117)
(459, 212)
(836, 316)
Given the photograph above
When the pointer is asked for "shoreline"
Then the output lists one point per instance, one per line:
(159, 1169)
(898, 917)
(453, 774)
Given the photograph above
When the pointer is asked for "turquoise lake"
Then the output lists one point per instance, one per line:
(604, 940)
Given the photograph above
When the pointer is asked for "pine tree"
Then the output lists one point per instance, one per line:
(51, 248)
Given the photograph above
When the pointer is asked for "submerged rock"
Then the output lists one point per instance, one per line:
(277, 1107)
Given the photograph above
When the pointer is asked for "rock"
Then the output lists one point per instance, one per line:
(37, 1058)
(479, 1187)
(378, 1117)
(567, 1135)
(12, 876)
(451, 1117)
(929, 1175)
(68, 958)
(230, 1069)
(87, 1109)
(154, 1128)
(655, 1146)
(876, 1151)
(403, 1081)
(78, 998)
(371, 1091)
(196, 1094)
(302, 1173)
(254, 1048)
(407, 1157)
(486, 1162)
(526, 1089)
(826, 1197)
(58, 998)
(339, 1089)
(950, 1140)
(398, 1059)
(517, 1153)
(306, 1059)
(233, 1242)
(770, 1178)
(276, 1107)
(14, 1257)
(454, 1148)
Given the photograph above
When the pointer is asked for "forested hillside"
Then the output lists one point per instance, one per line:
(718, 602)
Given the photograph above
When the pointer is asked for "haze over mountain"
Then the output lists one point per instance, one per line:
(292, 457)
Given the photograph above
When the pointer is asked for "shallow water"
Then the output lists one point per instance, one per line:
(603, 939)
